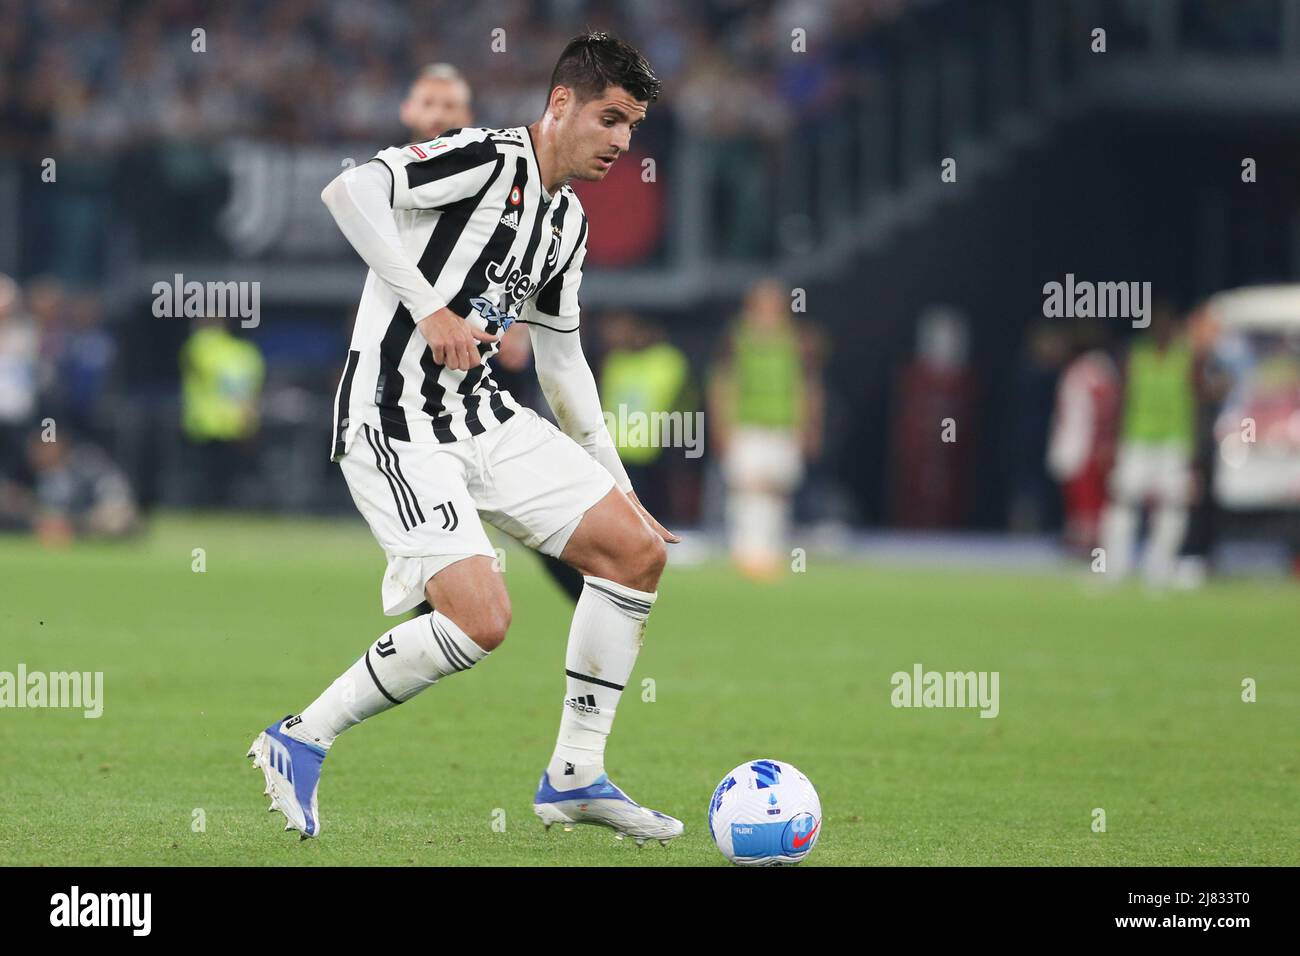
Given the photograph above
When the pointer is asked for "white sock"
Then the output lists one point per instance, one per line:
(1118, 531)
(604, 640)
(759, 522)
(406, 660)
(1168, 527)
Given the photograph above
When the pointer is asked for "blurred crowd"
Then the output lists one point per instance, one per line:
(56, 362)
(106, 75)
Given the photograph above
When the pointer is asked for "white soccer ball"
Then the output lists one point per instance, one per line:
(765, 813)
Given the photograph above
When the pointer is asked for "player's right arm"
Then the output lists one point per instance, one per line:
(362, 201)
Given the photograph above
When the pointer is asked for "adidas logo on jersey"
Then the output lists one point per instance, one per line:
(583, 704)
(511, 219)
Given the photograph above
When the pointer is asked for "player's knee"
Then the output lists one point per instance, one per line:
(491, 626)
(645, 562)
(486, 623)
(658, 556)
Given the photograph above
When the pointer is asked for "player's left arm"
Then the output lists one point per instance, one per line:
(567, 380)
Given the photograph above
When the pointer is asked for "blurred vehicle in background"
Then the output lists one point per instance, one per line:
(1256, 341)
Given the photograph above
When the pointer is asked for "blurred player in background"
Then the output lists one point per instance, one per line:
(766, 409)
(1153, 462)
(1085, 423)
(438, 101)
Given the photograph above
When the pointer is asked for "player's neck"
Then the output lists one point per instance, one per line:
(542, 133)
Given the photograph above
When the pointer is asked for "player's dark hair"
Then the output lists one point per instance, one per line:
(591, 62)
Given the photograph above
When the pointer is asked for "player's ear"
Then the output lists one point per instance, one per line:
(559, 101)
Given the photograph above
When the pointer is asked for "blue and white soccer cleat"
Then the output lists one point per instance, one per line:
(603, 804)
(292, 771)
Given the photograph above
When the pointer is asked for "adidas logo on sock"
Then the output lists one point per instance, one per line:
(583, 704)
(568, 769)
(292, 722)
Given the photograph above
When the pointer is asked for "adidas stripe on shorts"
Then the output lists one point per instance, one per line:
(424, 500)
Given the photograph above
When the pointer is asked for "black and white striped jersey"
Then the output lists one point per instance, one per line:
(471, 210)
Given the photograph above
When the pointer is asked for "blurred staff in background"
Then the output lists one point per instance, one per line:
(1084, 432)
(934, 426)
(438, 101)
(52, 480)
(643, 374)
(1032, 503)
(1211, 382)
(766, 416)
(221, 386)
(79, 492)
(1153, 462)
(18, 364)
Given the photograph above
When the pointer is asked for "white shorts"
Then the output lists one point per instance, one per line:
(423, 500)
(764, 456)
(1160, 471)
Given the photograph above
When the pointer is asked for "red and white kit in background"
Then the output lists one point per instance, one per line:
(1085, 427)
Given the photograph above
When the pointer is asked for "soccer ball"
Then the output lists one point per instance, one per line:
(765, 813)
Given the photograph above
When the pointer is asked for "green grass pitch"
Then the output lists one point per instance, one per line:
(1118, 700)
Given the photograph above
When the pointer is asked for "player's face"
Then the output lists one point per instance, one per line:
(595, 133)
(435, 106)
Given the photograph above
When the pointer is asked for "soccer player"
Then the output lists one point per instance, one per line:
(1084, 431)
(465, 235)
(439, 100)
(767, 410)
(1153, 463)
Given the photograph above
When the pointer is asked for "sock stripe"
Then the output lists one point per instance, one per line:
(370, 668)
(452, 662)
(619, 600)
(592, 680)
(641, 602)
(455, 656)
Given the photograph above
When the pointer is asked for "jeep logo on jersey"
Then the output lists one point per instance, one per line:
(492, 314)
(511, 278)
